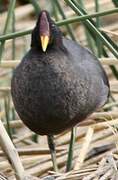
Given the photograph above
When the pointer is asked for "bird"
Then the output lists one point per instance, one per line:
(58, 83)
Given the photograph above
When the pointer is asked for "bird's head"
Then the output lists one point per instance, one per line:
(46, 33)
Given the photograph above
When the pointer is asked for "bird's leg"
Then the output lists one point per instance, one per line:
(51, 145)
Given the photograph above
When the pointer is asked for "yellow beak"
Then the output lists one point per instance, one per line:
(44, 42)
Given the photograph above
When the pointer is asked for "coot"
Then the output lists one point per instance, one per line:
(58, 83)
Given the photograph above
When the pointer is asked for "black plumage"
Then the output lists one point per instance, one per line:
(54, 90)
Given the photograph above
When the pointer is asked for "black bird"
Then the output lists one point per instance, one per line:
(58, 83)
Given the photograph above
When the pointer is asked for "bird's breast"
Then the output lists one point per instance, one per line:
(51, 93)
